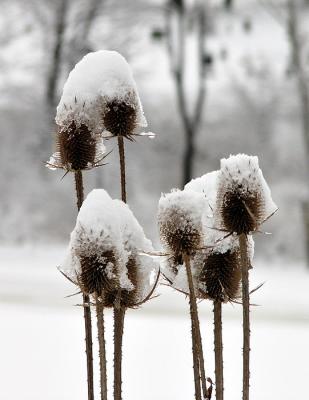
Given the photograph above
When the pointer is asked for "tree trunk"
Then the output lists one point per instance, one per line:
(303, 93)
(55, 63)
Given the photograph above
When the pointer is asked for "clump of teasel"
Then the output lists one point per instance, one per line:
(243, 203)
(105, 261)
(96, 262)
(181, 233)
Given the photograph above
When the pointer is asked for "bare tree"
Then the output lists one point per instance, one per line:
(56, 52)
(298, 67)
(176, 32)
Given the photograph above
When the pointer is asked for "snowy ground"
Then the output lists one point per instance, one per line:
(42, 336)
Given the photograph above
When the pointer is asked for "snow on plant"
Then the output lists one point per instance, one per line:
(104, 252)
(97, 255)
(101, 93)
(181, 232)
(244, 198)
(140, 267)
(243, 203)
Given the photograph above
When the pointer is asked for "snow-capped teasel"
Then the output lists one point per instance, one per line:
(181, 232)
(101, 92)
(97, 257)
(244, 199)
(243, 203)
(180, 221)
(78, 148)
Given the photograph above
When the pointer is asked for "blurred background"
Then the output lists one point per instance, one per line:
(216, 77)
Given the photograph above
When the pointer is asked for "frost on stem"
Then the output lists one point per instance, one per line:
(244, 198)
(103, 258)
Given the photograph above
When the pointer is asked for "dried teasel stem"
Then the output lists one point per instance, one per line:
(119, 313)
(87, 313)
(218, 349)
(246, 310)
(196, 336)
(122, 168)
(102, 351)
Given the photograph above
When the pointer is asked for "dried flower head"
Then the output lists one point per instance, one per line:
(120, 118)
(220, 276)
(96, 273)
(243, 198)
(104, 257)
(180, 222)
(97, 259)
(77, 148)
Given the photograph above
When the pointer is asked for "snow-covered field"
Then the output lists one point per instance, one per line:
(41, 347)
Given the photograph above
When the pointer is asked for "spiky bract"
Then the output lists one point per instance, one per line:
(220, 276)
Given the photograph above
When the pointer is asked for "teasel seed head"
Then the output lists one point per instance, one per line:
(96, 275)
(77, 148)
(180, 222)
(243, 197)
(120, 118)
(220, 276)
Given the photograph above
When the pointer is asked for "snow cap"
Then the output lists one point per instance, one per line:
(101, 78)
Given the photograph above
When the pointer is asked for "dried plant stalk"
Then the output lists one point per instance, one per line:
(246, 313)
(122, 168)
(196, 332)
(119, 313)
(102, 351)
(218, 349)
(86, 302)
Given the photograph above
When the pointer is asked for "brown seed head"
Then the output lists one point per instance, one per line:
(94, 277)
(120, 118)
(76, 147)
(220, 276)
(179, 236)
(241, 210)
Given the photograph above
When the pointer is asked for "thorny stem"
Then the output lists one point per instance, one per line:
(196, 335)
(218, 349)
(119, 313)
(87, 313)
(102, 351)
(246, 315)
(122, 168)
